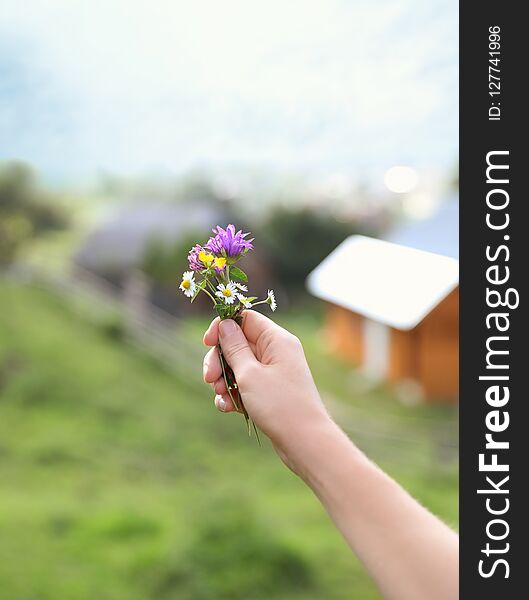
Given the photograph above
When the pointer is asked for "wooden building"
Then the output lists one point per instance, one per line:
(393, 311)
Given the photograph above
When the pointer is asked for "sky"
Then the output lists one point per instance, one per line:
(137, 86)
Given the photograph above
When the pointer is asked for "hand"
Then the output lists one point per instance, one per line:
(408, 552)
(273, 378)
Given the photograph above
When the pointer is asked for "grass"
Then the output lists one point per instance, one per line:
(120, 480)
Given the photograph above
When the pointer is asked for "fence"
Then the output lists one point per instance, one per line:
(144, 325)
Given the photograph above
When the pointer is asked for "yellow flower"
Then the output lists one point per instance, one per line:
(205, 258)
(219, 263)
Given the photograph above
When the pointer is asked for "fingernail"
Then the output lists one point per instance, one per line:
(227, 327)
(204, 370)
(221, 403)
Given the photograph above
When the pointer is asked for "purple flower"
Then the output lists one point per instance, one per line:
(227, 242)
(192, 258)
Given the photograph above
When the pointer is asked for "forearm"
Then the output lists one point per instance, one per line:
(410, 553)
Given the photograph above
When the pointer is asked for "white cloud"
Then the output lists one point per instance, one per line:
(328, 84)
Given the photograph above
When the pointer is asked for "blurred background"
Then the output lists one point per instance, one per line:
(127, 131)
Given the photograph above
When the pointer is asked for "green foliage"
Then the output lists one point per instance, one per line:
(26, 211)
(120, 481)
(200, 287)
(113, 326)
(232, 555)
(238, 274)
(165, 262)
(115, 476)
(297, 240)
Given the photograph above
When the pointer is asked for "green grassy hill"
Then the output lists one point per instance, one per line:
(121, 481)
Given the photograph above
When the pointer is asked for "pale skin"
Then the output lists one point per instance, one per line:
(409, 553)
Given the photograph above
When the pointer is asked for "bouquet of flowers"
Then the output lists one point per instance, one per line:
(214, 273)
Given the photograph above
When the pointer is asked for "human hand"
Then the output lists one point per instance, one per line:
(376, 516)
(273, 377)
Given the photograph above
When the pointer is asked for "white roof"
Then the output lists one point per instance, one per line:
(386, 282)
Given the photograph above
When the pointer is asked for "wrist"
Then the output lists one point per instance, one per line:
(317, 449)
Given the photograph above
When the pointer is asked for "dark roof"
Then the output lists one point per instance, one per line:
(119, 243)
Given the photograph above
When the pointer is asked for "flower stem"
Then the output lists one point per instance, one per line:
(211, 286)
(228, 383)
(212, 299)
(229, 380)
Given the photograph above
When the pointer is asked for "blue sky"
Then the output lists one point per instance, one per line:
(327, 86)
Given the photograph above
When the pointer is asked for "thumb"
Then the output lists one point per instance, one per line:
(235, 346)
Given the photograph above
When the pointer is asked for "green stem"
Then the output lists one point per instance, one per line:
(212, 299)
(260, 302)
(256, 432)
(211, 286)
(239, 407)
(228, 383)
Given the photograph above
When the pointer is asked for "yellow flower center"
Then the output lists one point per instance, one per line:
(186, 284)
(227, 292)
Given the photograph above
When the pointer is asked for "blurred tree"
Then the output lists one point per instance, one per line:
(164, 262)
(297, 240)
(26, 211)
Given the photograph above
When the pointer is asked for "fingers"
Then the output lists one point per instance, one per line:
(211, 337)
(235, 346)
(224, 404)
(254, 324)
(212, 369)
(219, 386)
(213, 372)
(239, 348)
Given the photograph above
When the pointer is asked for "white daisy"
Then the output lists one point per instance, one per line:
(188, 285)
(241, 286)
(244, 301)
(227, 292)
(271, 299)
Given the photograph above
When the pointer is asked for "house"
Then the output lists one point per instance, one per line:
(115, 249)
(117, 245)
(393, 310)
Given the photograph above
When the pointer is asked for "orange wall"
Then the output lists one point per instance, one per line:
(344, 333)
(402, 355)
(438, 350)
(429, 353)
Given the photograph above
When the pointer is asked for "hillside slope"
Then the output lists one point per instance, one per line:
(120, 481)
